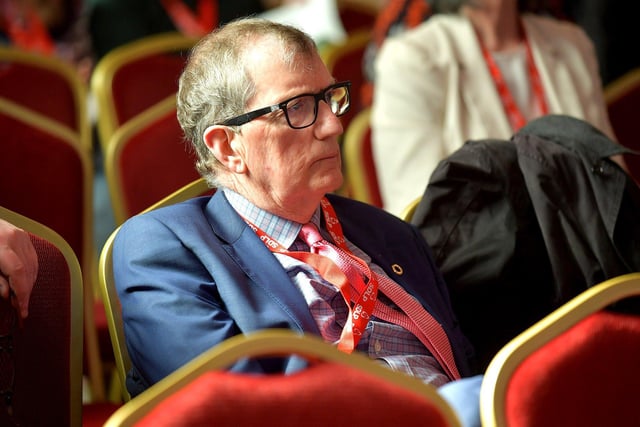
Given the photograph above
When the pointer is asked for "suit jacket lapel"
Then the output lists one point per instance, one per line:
(267, 282)
(379, 244)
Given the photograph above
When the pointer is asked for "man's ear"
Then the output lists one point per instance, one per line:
(221, 141)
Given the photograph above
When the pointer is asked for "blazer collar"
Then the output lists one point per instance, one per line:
(265, 273)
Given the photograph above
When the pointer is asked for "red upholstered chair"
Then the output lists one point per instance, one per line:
(136, 76)
(361, 181)
(147, 160)
(48, 176)
(129, 80)
(344, 61)
(48, 86)
(357, 15)
(337, 389)
(45, 168)
(41, 357)
(113, 312)
(623, 104)
(577, 366)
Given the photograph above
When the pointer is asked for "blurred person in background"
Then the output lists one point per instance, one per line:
(48, 27)
(475, 69)
(116, 22)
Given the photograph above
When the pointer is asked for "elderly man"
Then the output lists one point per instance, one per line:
(262, 112)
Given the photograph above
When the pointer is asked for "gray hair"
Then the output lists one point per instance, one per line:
(217, 83)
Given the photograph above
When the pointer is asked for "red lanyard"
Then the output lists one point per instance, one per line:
(362, 309)
(26, 30)
(187, 22)
(515, 116)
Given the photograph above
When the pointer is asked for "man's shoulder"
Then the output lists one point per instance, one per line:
(555, 30)
(351, 207)
(440, 25)
(173, 217)
(363, 216)
(178, 209)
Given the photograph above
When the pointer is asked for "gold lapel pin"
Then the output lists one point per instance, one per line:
(397, 269)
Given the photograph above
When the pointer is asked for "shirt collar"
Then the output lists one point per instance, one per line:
(282, 230)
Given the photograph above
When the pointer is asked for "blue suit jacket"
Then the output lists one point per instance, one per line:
(194, 274)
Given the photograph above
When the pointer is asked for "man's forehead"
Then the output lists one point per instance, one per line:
(264, 52)
(271, 51)
(270, 57)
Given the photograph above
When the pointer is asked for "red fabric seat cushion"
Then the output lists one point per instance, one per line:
(326, 394)
(588, 376)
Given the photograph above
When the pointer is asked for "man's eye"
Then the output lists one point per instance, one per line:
(296, 105)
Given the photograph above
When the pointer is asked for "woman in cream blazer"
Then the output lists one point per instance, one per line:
(434, 91)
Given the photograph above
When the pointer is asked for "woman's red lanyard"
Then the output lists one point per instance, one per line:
(188, 23)
(26, 30)
(515, 116)
(362, 309)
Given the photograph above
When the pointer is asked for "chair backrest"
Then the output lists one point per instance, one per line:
(46, 131)
(133, 77)
(344, 61)
(110, 299)
(147, 160)
(338, 389)
(46, 167)
(41, 359)
(113, 313)
(577, 366)
(410, 209)
(357, 15)
(622, 97)
(196, 188)
(47, 86)
(49, 178)
(361, 179)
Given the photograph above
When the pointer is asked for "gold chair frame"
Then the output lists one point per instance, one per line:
(70, 75)
(74, 140)
(108, 290)
(410, 209)
(107, 67)
(356, 182)
(505, 362)
(330, 53)
(619, 87)
(264, 343)
(76, 303)
(115, 146)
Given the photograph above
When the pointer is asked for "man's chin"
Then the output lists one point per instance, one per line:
(329, 183)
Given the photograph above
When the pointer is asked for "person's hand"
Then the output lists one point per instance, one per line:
(18, 266)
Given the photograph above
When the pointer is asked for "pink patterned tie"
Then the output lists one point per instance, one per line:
(343, 260)
(413, 316)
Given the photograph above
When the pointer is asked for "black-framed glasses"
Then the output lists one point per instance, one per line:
(301, 111)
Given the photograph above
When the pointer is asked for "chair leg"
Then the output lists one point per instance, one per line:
(94, 369)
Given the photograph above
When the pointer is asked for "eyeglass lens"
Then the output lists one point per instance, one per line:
(302, 111)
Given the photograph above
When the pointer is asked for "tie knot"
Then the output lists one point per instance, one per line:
(310, 234)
